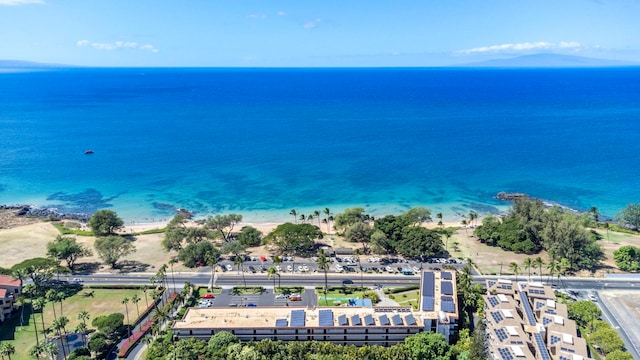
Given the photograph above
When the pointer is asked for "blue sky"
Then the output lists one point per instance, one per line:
(310, 33)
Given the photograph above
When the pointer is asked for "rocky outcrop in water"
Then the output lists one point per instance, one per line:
(511, 196)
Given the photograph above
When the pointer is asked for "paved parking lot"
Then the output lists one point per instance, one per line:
(267, 298)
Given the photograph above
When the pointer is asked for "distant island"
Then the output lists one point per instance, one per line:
(548, 60)
(20, 65)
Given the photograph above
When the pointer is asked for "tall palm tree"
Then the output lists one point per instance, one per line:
(472, 217)
(51, 350)
(316, 214)
(515, 269)
(606, 227)
(60, 296)
(38, 305)
(59, 325)
(136, 299)
(327, 212)
(528, 262)
(295, 215)
(538, 262)
(146, 299)
(52, 295)
(84, 316)
(595, 214)
(82, 330)
(172, 261)
(302, 218)
(125, 301)
(272, 272)
(323, 264)
(464, 224)
(212, 260)
(552, 266)
(439, 217)
(239, 262)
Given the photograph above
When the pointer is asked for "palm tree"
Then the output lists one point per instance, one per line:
(7, 349)
(125, 301)
(82, 330)
(528, 262)
(595, 214)
(295, 215)
(323, 264)
(144, 290)
(327, 212)
(464, 223)
(212, 260)
(172, 261)
(51, 350)
(30, 290)
(272, 272)
(239, 261)
(606, 227)
(515, 269)
(472, 217)
(38, 305)
(552, 266)
(60, 324)
(136, 299)
(51, 295)
(60, 296)
(439, 217)
(316, 214)
(539, 263)
(302, 218)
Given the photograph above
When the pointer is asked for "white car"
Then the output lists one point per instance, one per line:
(388, 269)
(278, 267)
(592, 297)
(281, 296)
(229, 267)
(300, 268)
(305, 268)
(289, 268)
(78, 280)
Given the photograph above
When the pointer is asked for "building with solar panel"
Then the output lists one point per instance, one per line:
(438, 302)
(384, 326)
(523, 321)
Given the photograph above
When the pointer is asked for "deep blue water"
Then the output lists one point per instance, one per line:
(264, 141)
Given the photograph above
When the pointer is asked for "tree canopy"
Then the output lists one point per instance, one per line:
(630, 216)
(223, 225)
(627, 258)
(249, 236)
(195, 254)
(105, 222)
(112, 248)
(291, 238)
(67, 248)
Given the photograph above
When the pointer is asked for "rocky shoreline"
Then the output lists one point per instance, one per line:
(48, 213)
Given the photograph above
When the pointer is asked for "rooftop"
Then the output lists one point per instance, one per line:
(7, 280)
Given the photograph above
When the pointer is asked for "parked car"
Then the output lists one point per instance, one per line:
(281, 296)
(592, 297)
(228, 267)
(251, 305)
(289, 268)
(207, 296)
(295, 297)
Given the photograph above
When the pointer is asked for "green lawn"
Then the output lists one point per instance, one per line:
(407, 298)
(101, 302)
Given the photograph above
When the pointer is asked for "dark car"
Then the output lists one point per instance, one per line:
(347, 282)
(251, 305)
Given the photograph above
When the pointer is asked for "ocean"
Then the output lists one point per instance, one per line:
(261, 142)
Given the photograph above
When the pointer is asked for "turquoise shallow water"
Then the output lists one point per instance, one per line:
(261, 142)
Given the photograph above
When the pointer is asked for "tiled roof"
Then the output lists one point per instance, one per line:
(9, 280)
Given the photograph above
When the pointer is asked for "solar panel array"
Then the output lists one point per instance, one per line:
(493, 301)
(447, 287)
(550, 311)
(564, 358)
(446, 275)
(368, 320)
(502, 335)
(497, 316)
(505, 353)
(281, 322)
(410, 320)
(428, 303)
(297, 317)
(355, 320)
(542, 349)
(342, 320)
(539, 305)
(384, 320)
(491, 283)
(505, 287)
(448, 306)
(536, 291)
(396, 320)
(546, 321)
(527, 308)
(325, 317)
(554, 339)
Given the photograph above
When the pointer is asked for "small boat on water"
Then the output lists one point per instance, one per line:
(88, 152)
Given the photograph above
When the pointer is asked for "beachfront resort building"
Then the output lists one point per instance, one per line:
(346, 325)
(10, 289)
(523, 321)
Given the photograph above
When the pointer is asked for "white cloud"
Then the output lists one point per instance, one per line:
(117, 45)
(20, 2)
(257, 16)
(521, 47)
(311, 24)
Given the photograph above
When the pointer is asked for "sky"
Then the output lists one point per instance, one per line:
(313, 33)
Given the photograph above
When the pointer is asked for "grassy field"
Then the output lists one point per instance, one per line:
(101, 302)
(407, 298)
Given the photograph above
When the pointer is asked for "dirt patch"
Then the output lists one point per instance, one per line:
(9, 220)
